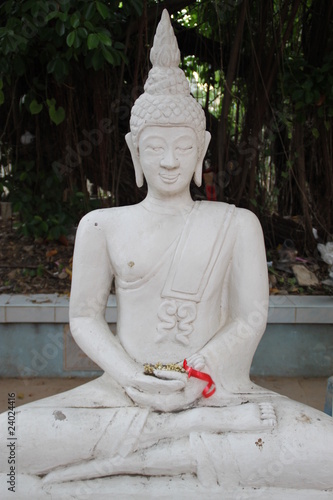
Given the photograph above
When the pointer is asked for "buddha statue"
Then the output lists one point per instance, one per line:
(175, 412)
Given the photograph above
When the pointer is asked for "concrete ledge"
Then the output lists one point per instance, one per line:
(53, 308)
(293, 309)
(43, 308)
(35, 339)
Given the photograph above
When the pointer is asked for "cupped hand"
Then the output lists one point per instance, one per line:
(196, 361)
(156, 385)
(177, 400)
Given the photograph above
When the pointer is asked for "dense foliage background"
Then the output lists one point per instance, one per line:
(70, 71)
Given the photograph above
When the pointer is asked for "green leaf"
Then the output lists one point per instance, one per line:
(103, 10)
(119, 46)
(90, 11)
(44, 227)
(123, 57)
(63, 17)
(315, 132)
(92, 41)
(82, 33)
(60, 28)
(77, 43)
(23, 176)
(51, 15)
(71, 38)
(89, 26)
(104, 39)
(299, 105)
(51, 102)
(57, 115)
(75, 20)
(35, 107)
(108, 56)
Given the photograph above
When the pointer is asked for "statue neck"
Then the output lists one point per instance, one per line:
(168, 205)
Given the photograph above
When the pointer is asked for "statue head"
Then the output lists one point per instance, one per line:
(166, 101)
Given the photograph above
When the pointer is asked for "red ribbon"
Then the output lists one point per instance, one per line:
(207, 393)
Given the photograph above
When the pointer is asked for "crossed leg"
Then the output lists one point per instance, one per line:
(171, 431)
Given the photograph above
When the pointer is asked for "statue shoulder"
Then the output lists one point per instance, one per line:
(249, 232)
(103, 219)
(244, 222)
(219, 209)
(216, 208)
(247, 219)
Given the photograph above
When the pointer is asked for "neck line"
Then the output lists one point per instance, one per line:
(166, 208)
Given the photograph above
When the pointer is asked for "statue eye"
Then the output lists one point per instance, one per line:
(185, 149)
(155, 149)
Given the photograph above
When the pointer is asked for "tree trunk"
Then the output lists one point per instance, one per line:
(223, 123)
(302, 185)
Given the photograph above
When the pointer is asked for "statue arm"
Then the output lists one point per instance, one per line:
(91, 283)
(92, 277)
(229, 353)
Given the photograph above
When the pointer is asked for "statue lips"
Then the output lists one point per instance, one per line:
(169, 178)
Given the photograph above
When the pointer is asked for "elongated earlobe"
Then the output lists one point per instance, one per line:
(198, 170)
(135, 159)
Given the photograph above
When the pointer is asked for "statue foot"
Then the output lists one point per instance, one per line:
(267, 414)
(244, 418)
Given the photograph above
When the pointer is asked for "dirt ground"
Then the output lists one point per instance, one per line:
(34, 266)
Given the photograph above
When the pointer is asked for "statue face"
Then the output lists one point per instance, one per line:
(168, 158)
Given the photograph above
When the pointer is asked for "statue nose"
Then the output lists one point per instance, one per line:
(169, 160)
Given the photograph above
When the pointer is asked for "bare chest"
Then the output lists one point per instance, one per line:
(137, 246)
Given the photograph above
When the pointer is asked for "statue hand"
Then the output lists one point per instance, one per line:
(177, 400)
(156, 385)
(197, 361)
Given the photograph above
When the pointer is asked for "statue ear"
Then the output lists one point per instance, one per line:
(135, 159)
(198, 169)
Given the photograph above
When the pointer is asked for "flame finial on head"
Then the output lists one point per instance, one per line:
(165, 51)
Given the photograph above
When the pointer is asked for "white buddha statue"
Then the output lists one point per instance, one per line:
(191, 283)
